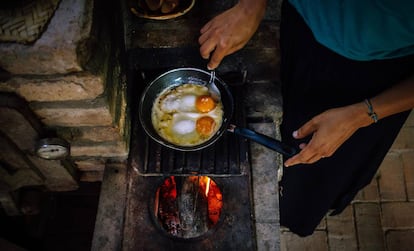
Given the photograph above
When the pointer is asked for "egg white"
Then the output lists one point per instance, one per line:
(174, 115)
(178, 103)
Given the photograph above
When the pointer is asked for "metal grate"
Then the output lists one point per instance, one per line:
(228, 156)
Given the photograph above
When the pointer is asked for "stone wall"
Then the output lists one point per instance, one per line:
(72, 79)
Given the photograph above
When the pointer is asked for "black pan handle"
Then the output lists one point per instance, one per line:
(265, 140)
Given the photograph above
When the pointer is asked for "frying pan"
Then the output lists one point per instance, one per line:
(181, 76)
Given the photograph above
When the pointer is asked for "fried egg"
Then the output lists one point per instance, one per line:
(186, 115)
(178, 103)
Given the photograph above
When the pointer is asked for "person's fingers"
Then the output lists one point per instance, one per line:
(204, 37)
(308, 155)
(305, 130)
(216, 58)
(302, 145)
(208, 42)
(221, 50)
(302, 157)
(206, 49)
(206, 27)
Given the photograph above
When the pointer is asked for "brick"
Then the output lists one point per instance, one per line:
(410, 120)
(90, 165)
(341, 231)
(397, 215)
(77, 86)
(405, 139)
(400, 240)
(59, 175)
(408, 162)
(369, 228)
(92, 176)
(292, 242)
(76, 114)
(368, 193)
(105, 149)
(91, 133)
(322, 224)
(391, 179)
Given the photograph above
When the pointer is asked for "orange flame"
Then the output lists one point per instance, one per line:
(207, 186)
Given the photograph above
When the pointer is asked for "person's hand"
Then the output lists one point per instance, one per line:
(329, 131)
(229, 31)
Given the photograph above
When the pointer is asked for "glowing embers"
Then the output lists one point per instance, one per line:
(188, 207)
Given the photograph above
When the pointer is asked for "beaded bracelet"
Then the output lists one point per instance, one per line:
(371, 112)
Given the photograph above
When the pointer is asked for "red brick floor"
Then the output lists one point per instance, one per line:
(381, 217)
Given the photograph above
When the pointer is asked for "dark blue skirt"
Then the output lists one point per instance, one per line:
(315, 79)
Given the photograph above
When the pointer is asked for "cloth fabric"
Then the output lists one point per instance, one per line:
(314, 79)
(24, 21)
(355, 29)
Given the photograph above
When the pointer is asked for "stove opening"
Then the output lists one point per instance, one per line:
(187, 206)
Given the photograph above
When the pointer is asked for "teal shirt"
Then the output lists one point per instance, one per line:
(361, 29)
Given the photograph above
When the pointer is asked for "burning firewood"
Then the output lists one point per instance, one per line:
(167, 210)
(188, 206)
(192, 208)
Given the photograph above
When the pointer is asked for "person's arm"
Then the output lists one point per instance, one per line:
(230, 31)
(397, 99)
(333, 127)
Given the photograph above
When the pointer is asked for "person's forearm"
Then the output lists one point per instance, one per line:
(255, 8)
(396, 99)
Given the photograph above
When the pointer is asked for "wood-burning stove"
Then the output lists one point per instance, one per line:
(226, 162)
(249, 218)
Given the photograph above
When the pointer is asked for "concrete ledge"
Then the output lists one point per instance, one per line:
(91, 133)
(59, 177)
(92, 176)
(264, 100)
(109, 222)
(74, 114)
(265, 166)
(90, 165)
(105, 149)
(77, 86)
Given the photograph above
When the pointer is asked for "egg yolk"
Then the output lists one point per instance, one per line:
(205, 103)
(205, 125)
